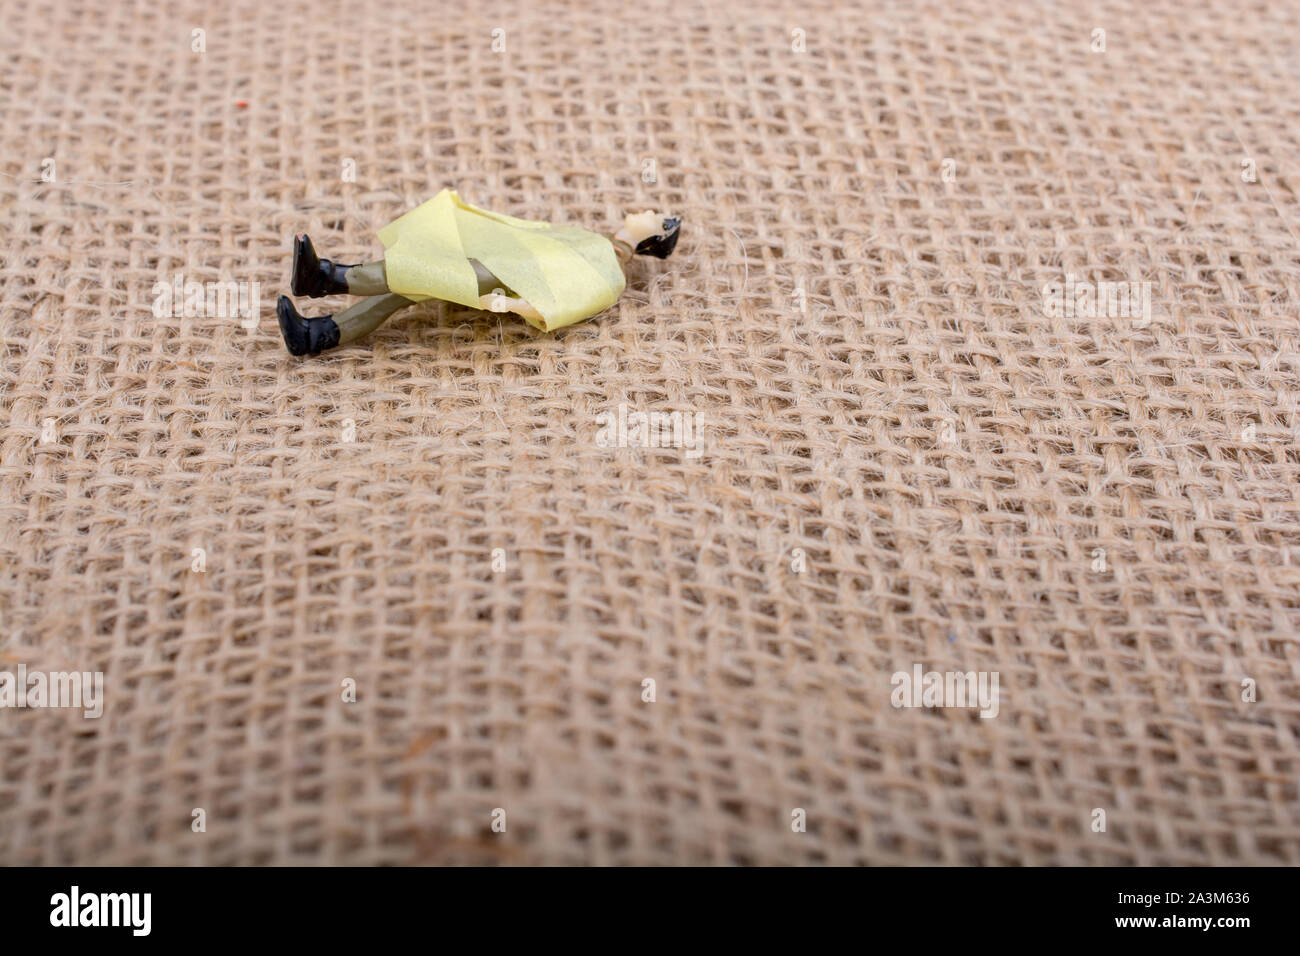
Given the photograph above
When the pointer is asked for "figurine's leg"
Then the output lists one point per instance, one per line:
(361, 318)
(315, 277)
(367, 279)
(313, 336)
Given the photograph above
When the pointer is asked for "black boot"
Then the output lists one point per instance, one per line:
(314, 276)
(305, 336)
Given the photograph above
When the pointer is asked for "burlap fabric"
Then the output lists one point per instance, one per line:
(908, 457)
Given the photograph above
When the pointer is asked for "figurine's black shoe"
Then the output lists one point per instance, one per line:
(312, 275)
(662, 245)
(305, 336)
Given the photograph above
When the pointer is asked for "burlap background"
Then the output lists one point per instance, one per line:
(949, 458)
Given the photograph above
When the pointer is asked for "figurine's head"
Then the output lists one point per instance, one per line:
(651, 233)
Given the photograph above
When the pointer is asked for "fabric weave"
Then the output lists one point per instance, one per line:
(913, 453)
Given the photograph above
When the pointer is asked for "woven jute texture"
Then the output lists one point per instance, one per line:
(908, 456)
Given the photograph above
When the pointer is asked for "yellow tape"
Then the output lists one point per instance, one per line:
(567, 274)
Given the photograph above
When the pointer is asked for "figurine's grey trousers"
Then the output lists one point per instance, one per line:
(362, 318)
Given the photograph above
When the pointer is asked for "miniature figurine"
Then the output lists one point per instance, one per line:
(447, 249)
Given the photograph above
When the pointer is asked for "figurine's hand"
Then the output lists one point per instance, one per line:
(498, 301)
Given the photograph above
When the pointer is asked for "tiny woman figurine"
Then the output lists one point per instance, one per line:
(447, 249)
